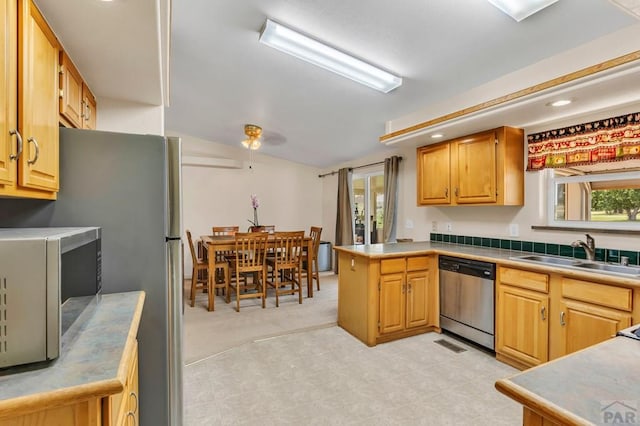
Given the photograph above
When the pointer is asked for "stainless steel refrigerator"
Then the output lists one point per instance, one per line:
(130, 186)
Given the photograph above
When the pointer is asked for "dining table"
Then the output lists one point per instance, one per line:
(214, 243)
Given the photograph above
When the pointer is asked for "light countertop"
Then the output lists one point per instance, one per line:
(486, 254)
(581, 388)
(91, 362)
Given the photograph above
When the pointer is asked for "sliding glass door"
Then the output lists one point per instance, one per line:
(368, 196)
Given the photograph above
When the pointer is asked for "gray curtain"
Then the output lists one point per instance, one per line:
(344, 219)
(391, 169)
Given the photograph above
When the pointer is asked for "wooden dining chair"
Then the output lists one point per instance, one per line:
(312, 269)
(199, 275)
(286, 264)
(250, 261)
(223, 256)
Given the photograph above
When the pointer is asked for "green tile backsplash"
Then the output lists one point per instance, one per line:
(602, 254)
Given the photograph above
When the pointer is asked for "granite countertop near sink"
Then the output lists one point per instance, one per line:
(91, 359)
(502, 256)
(583, 387)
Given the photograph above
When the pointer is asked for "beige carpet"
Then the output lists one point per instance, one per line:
(210, 333)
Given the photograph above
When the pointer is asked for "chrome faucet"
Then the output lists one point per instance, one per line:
(589, 247)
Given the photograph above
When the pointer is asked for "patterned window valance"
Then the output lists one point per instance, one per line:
(612, 139)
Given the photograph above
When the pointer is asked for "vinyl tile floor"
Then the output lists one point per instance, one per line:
(327, 377)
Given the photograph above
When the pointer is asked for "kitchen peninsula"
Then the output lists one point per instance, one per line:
(94, 381)
(542, 311)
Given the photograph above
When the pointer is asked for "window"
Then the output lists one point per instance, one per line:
(368, 196)
(588, 197)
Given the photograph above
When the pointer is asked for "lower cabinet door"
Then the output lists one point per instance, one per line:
(522, 326)
(392, 303)
(417, 299)
(584, 324)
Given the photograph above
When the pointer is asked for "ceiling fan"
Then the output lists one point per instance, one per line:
(253, 133)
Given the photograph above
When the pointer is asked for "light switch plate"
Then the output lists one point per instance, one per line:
(513, 230)
(434, 226)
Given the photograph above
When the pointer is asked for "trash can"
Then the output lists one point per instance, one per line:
(324, 256)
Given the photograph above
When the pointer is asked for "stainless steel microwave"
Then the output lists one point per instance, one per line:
(42, 270)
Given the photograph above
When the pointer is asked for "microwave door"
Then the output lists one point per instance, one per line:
(23, 282)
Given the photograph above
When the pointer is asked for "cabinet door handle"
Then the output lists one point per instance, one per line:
(19, 139)
(446, 192)
(562, 319)
(135, 396)
(456, 191)
(409, 288)
(35, 157)
(133, 416)
(543, 313)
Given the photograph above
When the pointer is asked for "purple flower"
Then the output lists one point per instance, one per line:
(254, 201)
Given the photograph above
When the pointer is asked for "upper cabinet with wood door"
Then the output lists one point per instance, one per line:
(485, 168)
(77, 103)
(33, 143)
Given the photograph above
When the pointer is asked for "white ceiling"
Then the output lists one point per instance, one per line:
(222, 78)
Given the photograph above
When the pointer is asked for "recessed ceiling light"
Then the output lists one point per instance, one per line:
(437, 135)
(315, 52)
(520, 9)
(561, 102)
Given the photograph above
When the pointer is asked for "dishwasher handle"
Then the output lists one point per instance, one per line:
(467, 267)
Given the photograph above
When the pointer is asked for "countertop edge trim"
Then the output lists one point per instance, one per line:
(537, 404)
(59, 398)
(127, 352)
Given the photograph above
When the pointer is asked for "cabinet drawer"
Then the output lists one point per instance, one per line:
(389, 266)
(598, 294)
(524, 279)
(417, 263)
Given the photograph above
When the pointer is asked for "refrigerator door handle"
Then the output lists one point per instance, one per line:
(174, 179)
(174, 274)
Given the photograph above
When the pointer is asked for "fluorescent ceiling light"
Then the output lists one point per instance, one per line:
(437, 135)
(310, 50)
(520, 9)
(561, 102)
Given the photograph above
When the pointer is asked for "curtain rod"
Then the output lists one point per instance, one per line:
(333, 172)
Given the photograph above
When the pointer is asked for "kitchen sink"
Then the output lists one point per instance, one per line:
(618, 269)
(578, 264)
(537, 258)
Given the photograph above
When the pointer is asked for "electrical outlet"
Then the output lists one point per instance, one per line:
(513, 230)
(449, 227)
(408, 224)
(434, 226)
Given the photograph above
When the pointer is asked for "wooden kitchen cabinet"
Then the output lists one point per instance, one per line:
(541, 317)
(77, 103)
(590, 313)
(34, 167)
(90, 108)
(435, 182)
(404, 294)
(383, 299)
(8, 90)
(122, 408)
(485, 168)
(522, 317)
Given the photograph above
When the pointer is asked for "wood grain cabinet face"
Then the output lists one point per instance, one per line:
(475, 169)
(71, 101)
(590, 313)
(38, 100)
(434, 182)
(90, 108)
(8, 90)
(122, 408)
(522, 327)
(485, 168)
(406, 296)
(29, 112)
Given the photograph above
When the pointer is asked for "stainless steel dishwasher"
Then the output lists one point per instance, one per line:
(467, 299)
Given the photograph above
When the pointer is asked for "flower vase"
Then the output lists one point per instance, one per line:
(255, 217)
